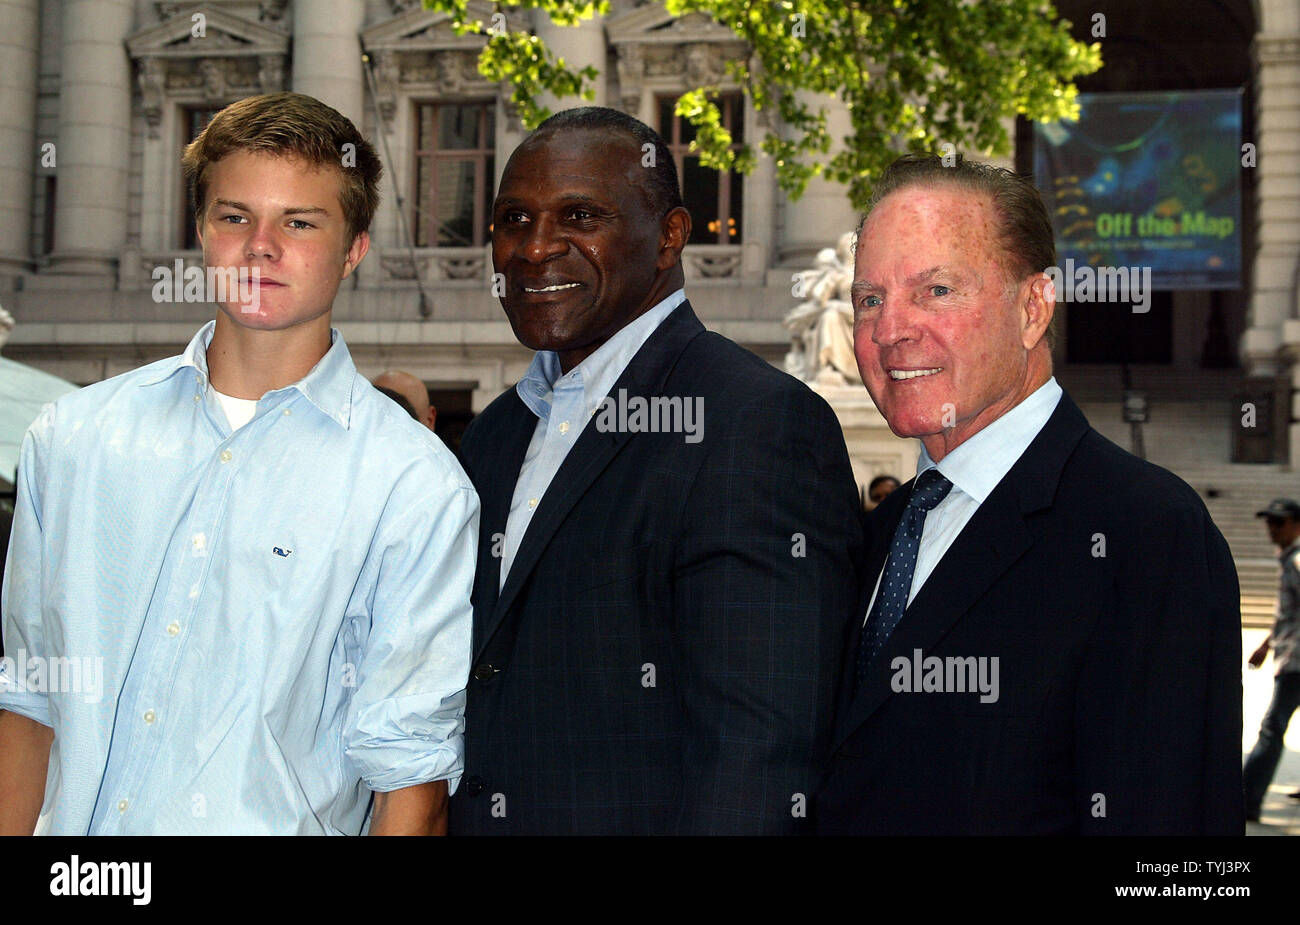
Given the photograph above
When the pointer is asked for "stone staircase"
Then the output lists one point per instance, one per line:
(1192, 417)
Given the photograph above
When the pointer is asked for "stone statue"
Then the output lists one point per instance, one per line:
(6, 325)
(821, 329)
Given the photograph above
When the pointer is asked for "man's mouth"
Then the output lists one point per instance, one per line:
(554, 288)
(900, 374)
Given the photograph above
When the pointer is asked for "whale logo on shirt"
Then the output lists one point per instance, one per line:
(281, 552)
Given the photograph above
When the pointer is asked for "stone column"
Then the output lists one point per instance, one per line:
(1271, 332)
(824, 212)
(94, 144)
(327, 54)
(19, 41)
(579, 46)
(1272, 302)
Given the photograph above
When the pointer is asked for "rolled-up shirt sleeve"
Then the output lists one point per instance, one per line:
(20, 610)
(406, 720)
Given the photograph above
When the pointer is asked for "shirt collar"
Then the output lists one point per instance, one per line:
(598, 372)
(979, 464)
(1289, 550)
(328, 386)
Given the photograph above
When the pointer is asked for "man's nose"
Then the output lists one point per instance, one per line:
(895, 322)
(263, 241)
(542, 241)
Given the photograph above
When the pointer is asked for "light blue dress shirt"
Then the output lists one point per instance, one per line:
(280, 615)
(570, 401)
(975, 468)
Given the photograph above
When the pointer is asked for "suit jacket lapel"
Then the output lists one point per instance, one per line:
(645, 375)
(994, 538)
(496, 490)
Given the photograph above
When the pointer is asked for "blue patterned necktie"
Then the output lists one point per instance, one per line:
(896, 583)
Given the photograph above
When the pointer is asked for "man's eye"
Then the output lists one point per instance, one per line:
(300, 224)
(227, 218)
(580, 215)
(870, 301)
(513, 218)
(940, 291)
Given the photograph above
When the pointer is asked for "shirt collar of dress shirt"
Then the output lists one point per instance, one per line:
(328, 386)
(598, 372)
(979, 464)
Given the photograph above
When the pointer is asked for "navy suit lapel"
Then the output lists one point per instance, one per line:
(496, 490)
(995, 537)
(645, 375)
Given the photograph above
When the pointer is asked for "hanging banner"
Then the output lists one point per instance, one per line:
(1147, 180)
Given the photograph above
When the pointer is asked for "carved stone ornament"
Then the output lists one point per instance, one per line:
(387, 75)
(152, 80)
(631, 74)
(270, 73)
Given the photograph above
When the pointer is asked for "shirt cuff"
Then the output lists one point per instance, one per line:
(32, 705)
(394, 746)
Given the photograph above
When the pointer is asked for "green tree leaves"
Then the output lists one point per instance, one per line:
(914, 74)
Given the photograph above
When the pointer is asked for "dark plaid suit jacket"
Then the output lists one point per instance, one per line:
(665, 653)
(1110, 599)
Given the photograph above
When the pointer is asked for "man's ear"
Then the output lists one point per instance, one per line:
(1038, 304)
(358, 249)
(673, 235)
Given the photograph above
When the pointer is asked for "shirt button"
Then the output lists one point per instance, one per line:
(198, 398)
(194, 592)
(287, 412)
(173, 628)
(150, 716)
(532, 503)
(199, 542)
(227, 456)
(122, 805)
(564, 427)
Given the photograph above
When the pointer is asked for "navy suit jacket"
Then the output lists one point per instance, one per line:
(1110, 600)
(664, 655)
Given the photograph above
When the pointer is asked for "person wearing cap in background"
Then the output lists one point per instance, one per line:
(1283, 519)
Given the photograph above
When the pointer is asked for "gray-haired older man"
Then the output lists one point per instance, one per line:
(1049, 635)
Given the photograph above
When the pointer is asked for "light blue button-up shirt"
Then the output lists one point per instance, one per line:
(257, 628)
(564, 404)
(975, 468)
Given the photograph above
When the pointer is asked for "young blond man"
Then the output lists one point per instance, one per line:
(266, 560)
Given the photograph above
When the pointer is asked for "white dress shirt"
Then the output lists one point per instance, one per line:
(975, 468)
(571, 400)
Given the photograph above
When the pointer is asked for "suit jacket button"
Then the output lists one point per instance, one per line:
(474, 786)
(484, 673)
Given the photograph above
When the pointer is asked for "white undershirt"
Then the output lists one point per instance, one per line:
(239, 411)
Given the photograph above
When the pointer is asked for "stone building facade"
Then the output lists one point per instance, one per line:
(99, 97)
